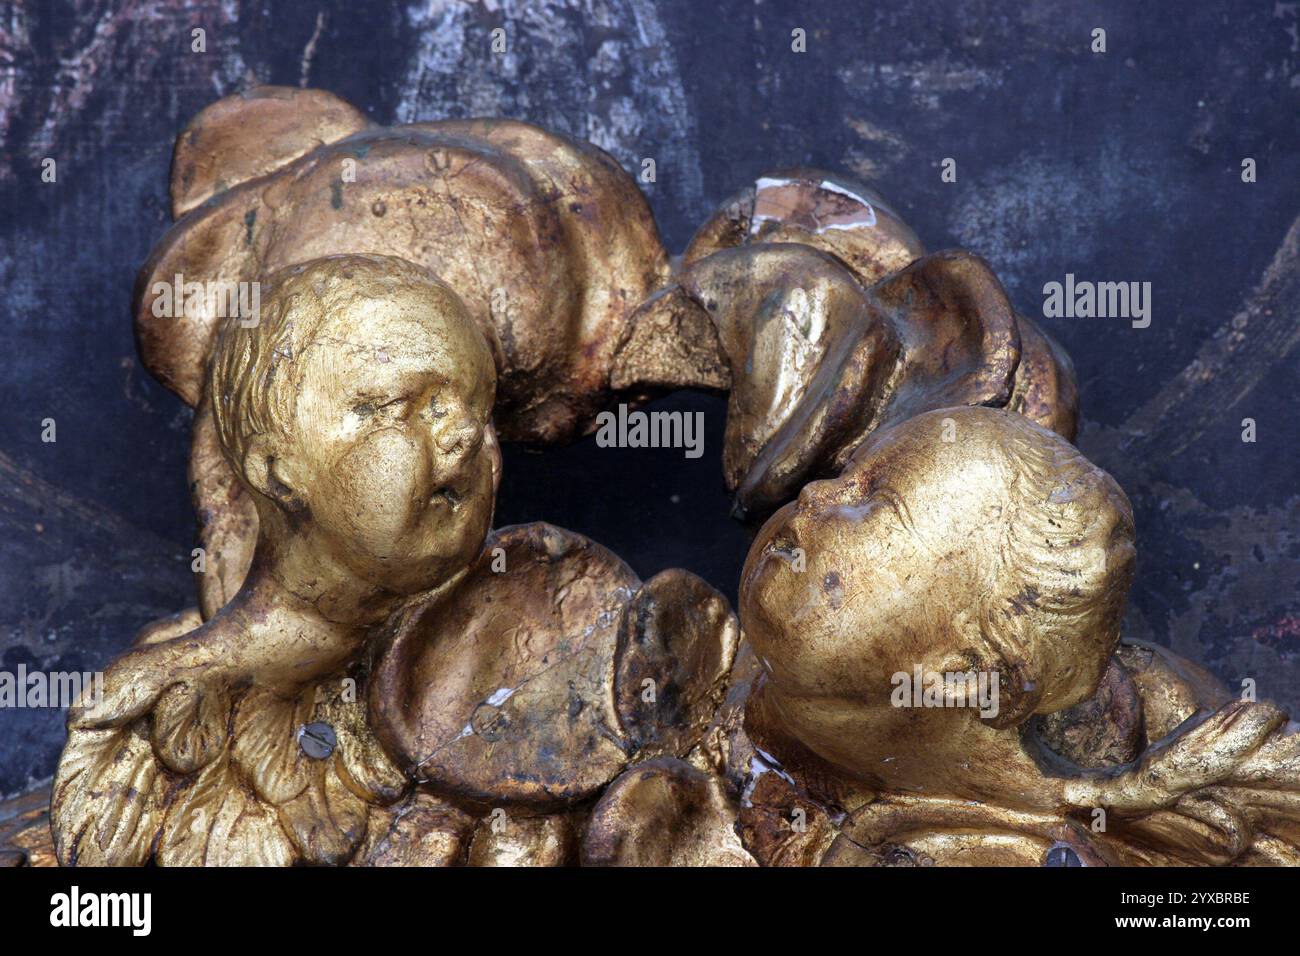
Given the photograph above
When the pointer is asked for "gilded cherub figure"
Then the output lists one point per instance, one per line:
(357, 413)
(962, 552)
(547, 241)
(349, 705)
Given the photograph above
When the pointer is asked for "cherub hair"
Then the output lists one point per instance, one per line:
(1062, 503)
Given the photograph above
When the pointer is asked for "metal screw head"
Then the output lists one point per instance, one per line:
(1062, 855)
(317, 740)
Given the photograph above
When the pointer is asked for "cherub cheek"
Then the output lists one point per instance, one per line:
(390, 471)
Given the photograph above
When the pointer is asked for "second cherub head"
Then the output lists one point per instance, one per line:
(357, 410)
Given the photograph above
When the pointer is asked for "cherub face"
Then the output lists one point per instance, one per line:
(394, 453)
(842, 590)
(995, 549)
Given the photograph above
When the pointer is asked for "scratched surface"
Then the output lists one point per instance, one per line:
(1123, 166)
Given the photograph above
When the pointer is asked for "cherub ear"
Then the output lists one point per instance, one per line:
(268, 475)
(253, 133)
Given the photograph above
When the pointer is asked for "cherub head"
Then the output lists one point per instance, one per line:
(357, 411)
(963, 540)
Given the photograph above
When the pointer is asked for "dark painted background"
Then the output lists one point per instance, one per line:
(1122, 166)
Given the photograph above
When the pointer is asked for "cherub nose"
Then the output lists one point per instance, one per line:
(461, 438)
